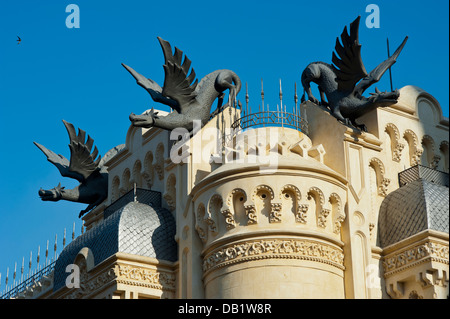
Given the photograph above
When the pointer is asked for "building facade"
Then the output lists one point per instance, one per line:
(274, 209)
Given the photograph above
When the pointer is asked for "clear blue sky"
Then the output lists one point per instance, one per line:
(76, 74)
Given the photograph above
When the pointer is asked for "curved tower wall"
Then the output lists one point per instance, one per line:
(274, 233)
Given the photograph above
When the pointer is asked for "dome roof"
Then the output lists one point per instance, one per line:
(415, 207)
(135, 228)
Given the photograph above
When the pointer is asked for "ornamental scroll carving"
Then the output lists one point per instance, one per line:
(300, 210)
(381, 180)
(230, 210)
(301, 213)
(146, 277)
(250, 211)
(415, 151)
(229, 219)
(396, 146)
(421, 253)
(275, 213)
(338, 213)
(274, 249)
(316, 194)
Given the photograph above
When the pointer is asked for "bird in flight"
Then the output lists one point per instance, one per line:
(19, 40)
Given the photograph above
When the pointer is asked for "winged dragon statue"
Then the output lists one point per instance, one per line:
(85, 166)
(189, 100)
(339, 82)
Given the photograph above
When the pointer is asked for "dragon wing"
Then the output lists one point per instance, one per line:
(350, 68)
(60, 162)
(376, 74)
(177, 84)
(82, 161)
(152, 87)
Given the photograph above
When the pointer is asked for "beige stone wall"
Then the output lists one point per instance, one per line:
(302, 226)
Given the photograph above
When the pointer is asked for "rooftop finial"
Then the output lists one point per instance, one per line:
(55, 247)
(38, 256)
(64, 239)
(246, 98)
(29, 264)
(21, 269)
(296, 99)
(262, 94)
(46, 254)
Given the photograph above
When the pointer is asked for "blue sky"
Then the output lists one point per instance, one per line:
(59, 73)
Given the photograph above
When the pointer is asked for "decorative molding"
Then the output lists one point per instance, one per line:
(275, 213)
(145, 277)
(381, 180)
(274, 249)
(88, 283)
(229, 212)
(293, 189)
(263, 187)
(396, 146)
(338, 214)
(215, 199)
(204, 222)
(301, 213)
(322, 218)
(317, 191)
(397, 152)
(199, 221)
(430, 251)
(229, 219)
(232, 194)
(250, 211)
(415, 151)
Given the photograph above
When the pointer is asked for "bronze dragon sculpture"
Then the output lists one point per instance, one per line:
(189, 100)
(83, 166)
(340, 83)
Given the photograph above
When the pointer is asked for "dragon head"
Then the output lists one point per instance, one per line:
(383, 99)
(54, 194)
(146, 120)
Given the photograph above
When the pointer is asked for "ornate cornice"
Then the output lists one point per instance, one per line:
(159, 277)
(274, 249)
(145, 277)
(425, 252)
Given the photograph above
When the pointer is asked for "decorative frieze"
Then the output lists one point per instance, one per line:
(338, 223)
(430, 251)
(322, 218)
(301, 213)
(274, 249)
(152, 278)
(275, 213)
(396, 146)
(229, 219)
(250, 211)
(397, 152)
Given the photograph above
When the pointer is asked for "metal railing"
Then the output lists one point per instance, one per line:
(271, 118)
(244, 117)
(18, 280)
(15, 290)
